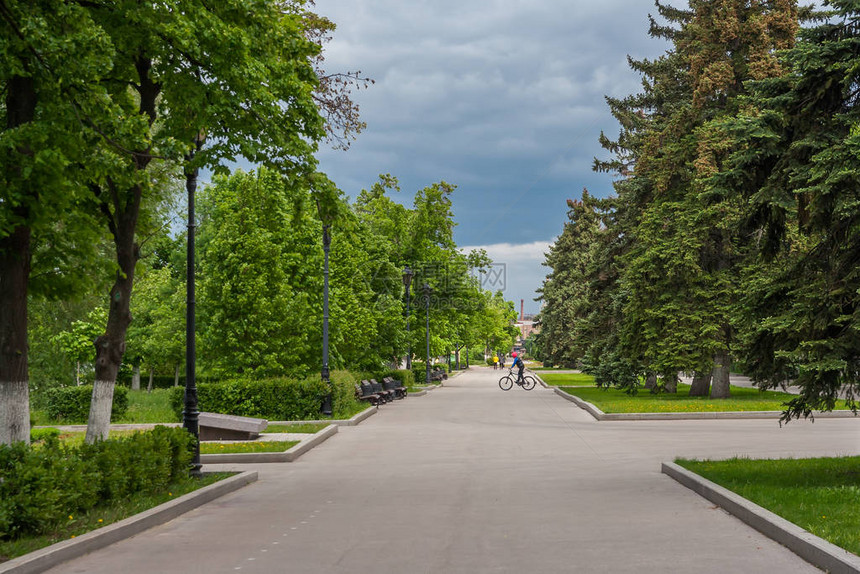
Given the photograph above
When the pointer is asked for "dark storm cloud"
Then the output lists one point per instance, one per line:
(503, 98)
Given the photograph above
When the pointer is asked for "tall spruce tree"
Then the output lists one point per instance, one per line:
(680, 269)
(796, 159)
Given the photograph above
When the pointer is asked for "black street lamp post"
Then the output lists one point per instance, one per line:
(426, 288)
(326, 407)
(407, 282)
(190, 415)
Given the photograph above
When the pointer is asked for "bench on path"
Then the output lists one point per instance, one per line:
(217, 426)
(365, 393)
(379, 390)
(438, 374)
(392, 384)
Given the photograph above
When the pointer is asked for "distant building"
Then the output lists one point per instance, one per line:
(527, 327)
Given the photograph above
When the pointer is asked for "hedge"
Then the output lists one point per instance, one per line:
(279, 399)
(43, 485)
(420, 373)
(72, 404)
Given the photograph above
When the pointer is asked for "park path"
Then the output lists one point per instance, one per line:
(471, 479)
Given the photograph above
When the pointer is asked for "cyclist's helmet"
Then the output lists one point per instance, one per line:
(513, 354)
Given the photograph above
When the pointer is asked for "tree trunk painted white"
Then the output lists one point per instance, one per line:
(176, 375)
(720, 384)
(135, 378)
(149, 385)
(78, 373)
(14, 412)
(100, 409)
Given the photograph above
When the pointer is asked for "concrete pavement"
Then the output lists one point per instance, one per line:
(472, 479)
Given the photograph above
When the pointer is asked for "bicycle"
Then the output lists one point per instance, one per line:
(507, 382)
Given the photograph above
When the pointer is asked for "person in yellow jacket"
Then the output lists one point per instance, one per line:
(495, 361)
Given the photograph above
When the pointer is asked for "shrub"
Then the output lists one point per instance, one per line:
(43, 486)
(418, 372)
(43, 433)
(278, 399)
(72, 404)
(547, 364)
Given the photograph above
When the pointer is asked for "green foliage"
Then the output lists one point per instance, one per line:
(71, 405)
(45, 486)
(278, 399)
(39, 434)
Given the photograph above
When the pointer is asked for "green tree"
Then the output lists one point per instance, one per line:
(260, 262)
(566, 291)
(794, 154)
(53, 55)
(681, 266)
(238, 72)
(77, 342)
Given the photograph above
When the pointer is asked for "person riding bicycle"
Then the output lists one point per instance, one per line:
(518, 363)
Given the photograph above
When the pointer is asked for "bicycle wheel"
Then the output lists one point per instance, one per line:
(529, 383)
(506, 383)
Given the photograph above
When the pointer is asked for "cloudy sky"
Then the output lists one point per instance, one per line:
(503, 98)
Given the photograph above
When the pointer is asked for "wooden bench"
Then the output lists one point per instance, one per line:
(217, 426)
(365, 393)
(392, 384)
(384, 396)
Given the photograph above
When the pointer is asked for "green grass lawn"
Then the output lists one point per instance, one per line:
(305, 428)
(242, 447)
(567, 379)
(104, 515)
(143, 408)
(743, 399)
(820, 495)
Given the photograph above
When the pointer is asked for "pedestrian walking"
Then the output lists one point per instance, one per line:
(495, 361)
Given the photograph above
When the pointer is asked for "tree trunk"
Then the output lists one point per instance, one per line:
(701, 384)
(651, 382)
(670, 382)
(720, 386)
(151, 375)
(77, 373)
(15, 257)
(110, 347)
(135, 378)
(14, 379)
(176, 375)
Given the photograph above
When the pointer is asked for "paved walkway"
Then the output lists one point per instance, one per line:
(471, 479)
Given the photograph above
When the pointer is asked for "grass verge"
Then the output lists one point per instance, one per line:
(304, 428)
(143, 408)
(567, 379)
(104, 515)
(820, 495)
(742, 399)
(247, 447)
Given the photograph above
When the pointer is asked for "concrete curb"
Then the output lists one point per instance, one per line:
(263, 457)
(48, 557)
(427, 390)
(811, 548)
(601, 416)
